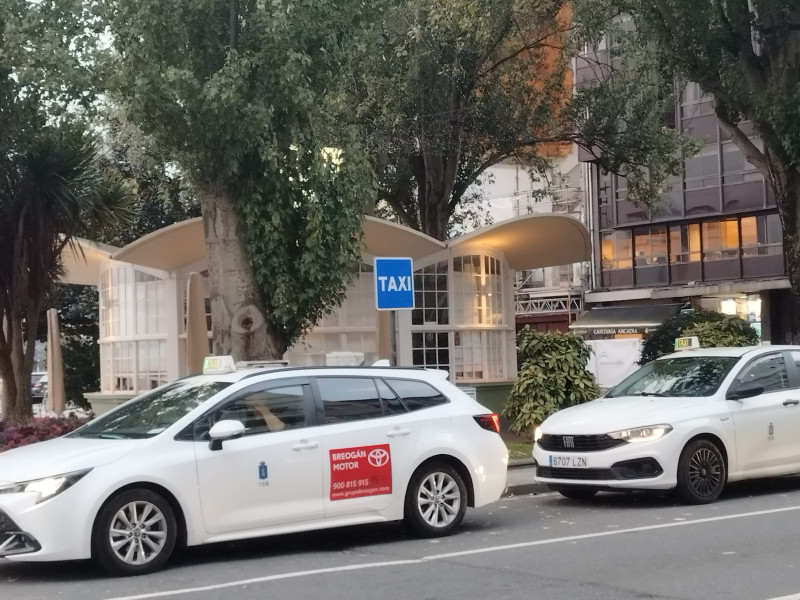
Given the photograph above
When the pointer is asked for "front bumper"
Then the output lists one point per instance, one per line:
(56, 529)
(13, 540)
(629, 467)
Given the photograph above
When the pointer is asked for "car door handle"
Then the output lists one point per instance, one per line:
(305, 445)
(398, 432)
(791, 402)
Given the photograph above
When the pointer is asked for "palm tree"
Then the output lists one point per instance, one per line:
(52, 190)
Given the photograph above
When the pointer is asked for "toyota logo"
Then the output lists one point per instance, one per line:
(378, 457)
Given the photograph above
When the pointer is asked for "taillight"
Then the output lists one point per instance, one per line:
(490, 421)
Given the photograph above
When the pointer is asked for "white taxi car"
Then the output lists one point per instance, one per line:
(690, 421)
(254, 452)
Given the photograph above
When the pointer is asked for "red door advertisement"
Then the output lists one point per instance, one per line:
(360, 471)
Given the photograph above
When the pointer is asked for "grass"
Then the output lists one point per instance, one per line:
(518, 449)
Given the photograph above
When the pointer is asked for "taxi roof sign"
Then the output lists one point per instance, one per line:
(218, 365)
(686, 343)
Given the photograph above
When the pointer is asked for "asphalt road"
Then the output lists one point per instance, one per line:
(529, 546)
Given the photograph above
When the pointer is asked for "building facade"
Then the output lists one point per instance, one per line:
(714, 241)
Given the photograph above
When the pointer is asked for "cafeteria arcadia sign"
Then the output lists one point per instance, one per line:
(627, 330)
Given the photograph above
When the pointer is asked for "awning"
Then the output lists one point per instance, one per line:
(623, 320)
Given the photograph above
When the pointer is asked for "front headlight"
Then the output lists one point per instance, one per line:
(46, 487)
(650, 433)
(537, 434)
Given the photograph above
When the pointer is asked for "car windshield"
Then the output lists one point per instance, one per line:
(151, 413)
(680, 376)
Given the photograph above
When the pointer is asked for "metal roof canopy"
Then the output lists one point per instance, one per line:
(648, 315)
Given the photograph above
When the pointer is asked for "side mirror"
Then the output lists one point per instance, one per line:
(224, 430)
(747, 390)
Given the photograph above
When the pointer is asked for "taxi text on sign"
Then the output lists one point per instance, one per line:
(394, 283)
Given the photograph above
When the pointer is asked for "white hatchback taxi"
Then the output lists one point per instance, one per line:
(234, 454)
(690, 421)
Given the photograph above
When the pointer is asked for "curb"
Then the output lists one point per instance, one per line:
(524, 489)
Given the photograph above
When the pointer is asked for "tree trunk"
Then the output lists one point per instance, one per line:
(435, 187)
(238, 323)
(17, 406)
(786, 184)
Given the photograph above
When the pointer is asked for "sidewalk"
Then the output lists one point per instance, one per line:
(521, 479)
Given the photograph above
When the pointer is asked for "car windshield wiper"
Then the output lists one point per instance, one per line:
(659, 394)
(115, 435)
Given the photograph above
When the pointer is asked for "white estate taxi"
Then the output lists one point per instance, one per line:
(247, 453)
(691, 421)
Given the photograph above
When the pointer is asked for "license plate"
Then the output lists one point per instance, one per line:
(568, 462)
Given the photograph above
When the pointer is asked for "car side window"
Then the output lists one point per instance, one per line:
(349, 398)
(392, 404)
(417, 395)
(265, 410)
(768, 372)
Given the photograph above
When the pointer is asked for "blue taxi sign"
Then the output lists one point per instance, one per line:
(394, 283)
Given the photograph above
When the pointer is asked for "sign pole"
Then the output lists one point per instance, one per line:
(394, 290)
(393, 336)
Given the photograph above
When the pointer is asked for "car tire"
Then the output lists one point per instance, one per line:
(134, 533)
(702, 473)
(436, 500)
(575, 494)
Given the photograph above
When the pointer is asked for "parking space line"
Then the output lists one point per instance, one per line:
(433, 557)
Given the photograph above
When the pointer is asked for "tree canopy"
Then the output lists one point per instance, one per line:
(239, 94)
(52, 186)
(444, 91)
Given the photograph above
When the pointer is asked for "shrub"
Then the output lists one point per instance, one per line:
(712, 329)
(552, 375)
(41, 428)
(730, 331)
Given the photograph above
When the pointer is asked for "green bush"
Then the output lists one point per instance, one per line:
(730, 331)
(552, 375)
(713, 329)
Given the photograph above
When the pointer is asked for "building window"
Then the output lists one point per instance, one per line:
(564, 275)
(533, 278)
(650, 246)
(150, 371)
(479, 355)
(702, 169)
(762, 235)
(720, 240)
(616, 250)
(431, 349)
(349, 328)
(684, 243)
(430, 295)
(133, 321)
(477, 290)
(735, 169)
(451, 323)
(603, 199)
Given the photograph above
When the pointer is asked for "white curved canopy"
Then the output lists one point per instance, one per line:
(528, 242)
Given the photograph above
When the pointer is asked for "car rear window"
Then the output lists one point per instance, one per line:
(417, 394)
(349, 398)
